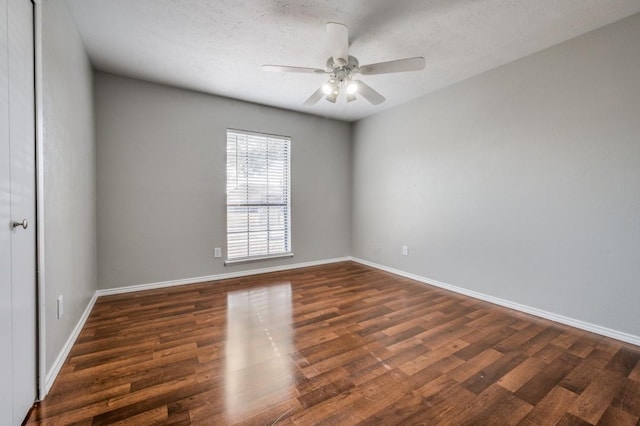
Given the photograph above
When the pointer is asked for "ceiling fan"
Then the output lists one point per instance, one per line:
(342, 67)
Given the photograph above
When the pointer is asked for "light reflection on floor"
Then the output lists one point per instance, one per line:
(259, 338)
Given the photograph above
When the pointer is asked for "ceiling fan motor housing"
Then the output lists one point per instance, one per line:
(341, 70)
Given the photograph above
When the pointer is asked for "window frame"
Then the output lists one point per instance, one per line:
(288, 241)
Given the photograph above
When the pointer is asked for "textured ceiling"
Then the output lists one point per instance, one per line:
(218, 46)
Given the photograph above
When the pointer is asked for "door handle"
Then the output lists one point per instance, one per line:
(24, 224)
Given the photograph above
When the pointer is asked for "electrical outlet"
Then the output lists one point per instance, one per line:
(405, 250)
(217, 252)
(60, 306)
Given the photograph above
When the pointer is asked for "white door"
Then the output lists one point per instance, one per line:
(6, 355)
(17, 210)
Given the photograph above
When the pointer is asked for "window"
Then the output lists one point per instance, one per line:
(258, 207)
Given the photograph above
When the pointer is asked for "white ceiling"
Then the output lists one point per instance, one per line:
(218, 46)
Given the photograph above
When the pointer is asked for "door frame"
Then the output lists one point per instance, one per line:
(41, 372)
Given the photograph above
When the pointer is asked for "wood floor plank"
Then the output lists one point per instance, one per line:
(580, 377)
(552, 407)
(618, 417)
(624, 361)
(595, 399)
(442, 400)
(541, 384)
(507, 410)
(475, 364)
(635, 373)
(493, 372)
(521, 374)
(334, 344)
(628, 399)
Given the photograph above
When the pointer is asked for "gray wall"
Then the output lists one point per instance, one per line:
(161, 156)
(69, 175)
(522, 183)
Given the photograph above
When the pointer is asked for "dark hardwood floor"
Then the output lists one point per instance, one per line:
(339, 344)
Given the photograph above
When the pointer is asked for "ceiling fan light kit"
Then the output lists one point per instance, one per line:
(342, 67)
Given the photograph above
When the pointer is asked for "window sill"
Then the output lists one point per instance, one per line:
(256, 259)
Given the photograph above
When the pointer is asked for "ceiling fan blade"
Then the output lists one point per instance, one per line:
(285, 68)
(401, 65)
(338, 41)
(315, 97)
(369, 94)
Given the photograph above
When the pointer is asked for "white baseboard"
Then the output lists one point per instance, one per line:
(217, 277)
(594, 328)
(64, 352)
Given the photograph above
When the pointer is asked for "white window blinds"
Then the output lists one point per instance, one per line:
(258, 209)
